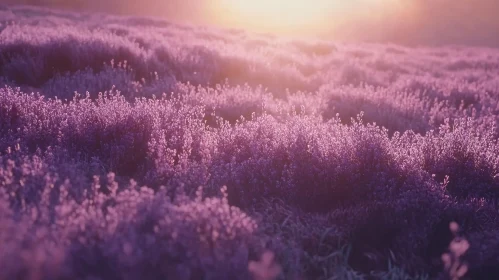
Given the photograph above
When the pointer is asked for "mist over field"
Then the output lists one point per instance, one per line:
(143, 148)
(407, 22)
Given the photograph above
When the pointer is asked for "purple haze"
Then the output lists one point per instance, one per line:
(188, 152)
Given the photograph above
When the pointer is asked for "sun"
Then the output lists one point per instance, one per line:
(282, 16)
(301, 17)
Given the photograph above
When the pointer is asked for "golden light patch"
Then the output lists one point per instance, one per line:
(274, 15)
(296, 16)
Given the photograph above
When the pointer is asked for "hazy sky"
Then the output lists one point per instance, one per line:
(470, 22)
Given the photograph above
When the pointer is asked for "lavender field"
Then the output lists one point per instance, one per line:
(137, 148)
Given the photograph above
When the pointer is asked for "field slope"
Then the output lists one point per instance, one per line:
(136, 148)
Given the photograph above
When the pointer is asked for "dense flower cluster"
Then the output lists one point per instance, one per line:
(116, 135)
(112, 232)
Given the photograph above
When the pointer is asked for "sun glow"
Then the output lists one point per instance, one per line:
(298, 16)
(283, 16)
